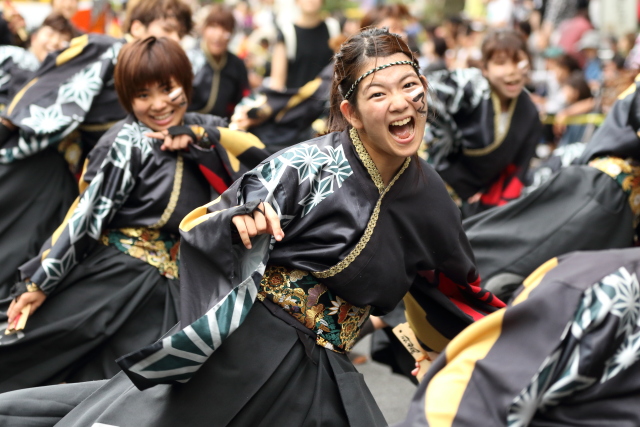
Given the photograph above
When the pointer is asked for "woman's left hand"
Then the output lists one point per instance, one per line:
(34, 298)
(171, 143)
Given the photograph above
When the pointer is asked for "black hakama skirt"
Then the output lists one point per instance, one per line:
(267, 373)
(579, 209)
(35, 194)
(108, 305)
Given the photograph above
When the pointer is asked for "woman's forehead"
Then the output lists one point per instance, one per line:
(388, 75)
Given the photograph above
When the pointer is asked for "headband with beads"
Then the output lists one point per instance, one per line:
(382, 67)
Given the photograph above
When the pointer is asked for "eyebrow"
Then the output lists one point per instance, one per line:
(374, 83)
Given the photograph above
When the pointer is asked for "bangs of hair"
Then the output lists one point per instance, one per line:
(220, 15)
(145, 62)
(147, 11)
(60, 24)
(508, 42)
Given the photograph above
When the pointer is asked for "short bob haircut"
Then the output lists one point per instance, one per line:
(152, 60)
(147, 11)
(60, 24)
(221, 16)
(505, 41)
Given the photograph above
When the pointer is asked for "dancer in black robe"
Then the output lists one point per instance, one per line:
(565, 352)
(107, 277)
(485, 125)
(265, 321)
(591, 205)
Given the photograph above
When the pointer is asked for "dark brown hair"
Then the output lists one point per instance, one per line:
(349, 60)
(147, 11)
(220, 15)
(60, 24)
(152, 60)
(504, 40)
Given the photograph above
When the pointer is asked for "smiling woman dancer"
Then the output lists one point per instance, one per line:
(106, 280)
(321, 236)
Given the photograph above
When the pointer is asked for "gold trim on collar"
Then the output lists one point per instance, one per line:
(366, 160)
(75, 48)
(215, 82)
(498, 137)
(371, 225)
(175, 194)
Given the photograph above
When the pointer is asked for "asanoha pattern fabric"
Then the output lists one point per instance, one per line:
(179, 356)
(47, 125)
(97, 204)
(335, 322)
(614, 300)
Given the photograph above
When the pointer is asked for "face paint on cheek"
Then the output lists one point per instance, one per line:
(417, 98)
(523, 65)
(175, 95)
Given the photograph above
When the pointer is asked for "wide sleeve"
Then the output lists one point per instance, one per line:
(445, 296)
(219, 277)
(569, 338)
(483, 370)
(56, 101)
(108, 178)
(452, 93)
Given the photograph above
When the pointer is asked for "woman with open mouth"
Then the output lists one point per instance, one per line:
(485, 125)
(281, 271)
(107, 279)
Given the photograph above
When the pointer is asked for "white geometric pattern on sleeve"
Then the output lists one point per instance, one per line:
(82, 87)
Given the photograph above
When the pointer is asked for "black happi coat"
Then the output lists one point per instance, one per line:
(17, 66)
(582, 207)
(469, 152)
(102, 286)
(218, 86)
(366, 241)
(564, 352)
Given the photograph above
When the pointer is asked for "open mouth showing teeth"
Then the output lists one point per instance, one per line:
(402, 129)
(163, 117)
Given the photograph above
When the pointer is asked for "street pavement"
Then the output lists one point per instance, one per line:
(392, 392)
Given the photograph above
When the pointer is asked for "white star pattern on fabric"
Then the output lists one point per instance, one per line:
(81, 218)
(339, 165)
(320, 190)
(55, 269)
(46, 120)
(82, 87)
(112, 53)
(627, 355)
(570, 382)
(21, 57)
(626, 300)
(308, 160)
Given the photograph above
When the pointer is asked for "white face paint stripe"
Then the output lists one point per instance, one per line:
(173, 96)
(523, 65)
(416, 92)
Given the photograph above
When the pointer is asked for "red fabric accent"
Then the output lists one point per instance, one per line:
(506, 188)
(469, 311)
(216, 182)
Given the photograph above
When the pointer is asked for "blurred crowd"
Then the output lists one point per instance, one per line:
(577, 71)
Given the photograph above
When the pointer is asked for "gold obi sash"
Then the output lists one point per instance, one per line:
(335, 322)
(627, 174)
(155, 247)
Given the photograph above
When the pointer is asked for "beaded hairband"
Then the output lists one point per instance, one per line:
(382, 67)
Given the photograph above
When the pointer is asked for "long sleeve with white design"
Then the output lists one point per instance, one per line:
(58, 99)
(101, 197)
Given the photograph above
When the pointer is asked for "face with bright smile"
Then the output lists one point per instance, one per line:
(507, 75)
(390, 115)
(160, 106)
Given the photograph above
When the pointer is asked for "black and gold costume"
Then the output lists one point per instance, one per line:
(352, 246)
(110, 270)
